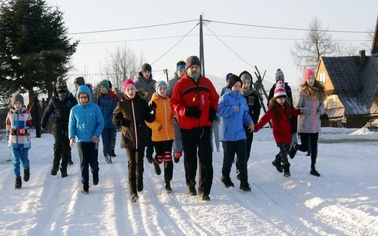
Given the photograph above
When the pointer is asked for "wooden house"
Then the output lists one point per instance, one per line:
(352, 87)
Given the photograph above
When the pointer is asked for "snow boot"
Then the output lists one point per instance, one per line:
(167, 185)
(286, 168)
(227, 181)
(85, 189)
(244, 185)
(95, 178)
(139, 183)
(63, 171)
(314, 172)
(134, 197)
(26, 175)
(277, 164)
(293, 150)
(157, 168)
(192, 191)
(108, 159)
(54, 170)
(18, 183)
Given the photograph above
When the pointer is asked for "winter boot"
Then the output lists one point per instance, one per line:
(157, 168)
(286, 167)
(314, 172)
(244, 185)
(227, 181)
(63, 171)
(293, 150)
(108, 159)
(139, 183)
(167, 185)
(54, 170)
(95, 178)
(277, 164)
(70, 162)
(149, 159)
(134, 197)
(85, 189)
(26, 175)
(18, 183)
(192, 191)
(177, 156)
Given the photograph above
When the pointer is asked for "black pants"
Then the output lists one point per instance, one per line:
(88, 154)
(198, 141)
(164, 150)
(229, 150)
(150, 144)
(311, 138)
(62, 150)
(135, 167)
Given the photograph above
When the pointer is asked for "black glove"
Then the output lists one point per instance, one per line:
(152, 106)
(193, 111)
(212, 114)
(125, 122)
(14, 131)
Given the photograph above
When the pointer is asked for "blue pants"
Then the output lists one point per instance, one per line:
(88, 154)
(20, 155)
(107, 140)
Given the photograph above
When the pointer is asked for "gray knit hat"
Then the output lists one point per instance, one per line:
(192, 60)
(17, 98)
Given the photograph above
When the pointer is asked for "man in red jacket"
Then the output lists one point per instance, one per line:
(195, 100)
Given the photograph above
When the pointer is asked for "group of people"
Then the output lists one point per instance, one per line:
(172, 120)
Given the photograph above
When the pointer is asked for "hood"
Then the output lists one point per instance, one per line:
(84, 89)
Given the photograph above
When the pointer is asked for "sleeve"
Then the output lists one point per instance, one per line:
(72, 125)
(47, 113)
(100, 123)
(264, 119)
(224, 107)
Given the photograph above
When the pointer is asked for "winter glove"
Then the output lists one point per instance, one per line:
(14, 131)
(212, 114)
(193, 111)
(152, 106)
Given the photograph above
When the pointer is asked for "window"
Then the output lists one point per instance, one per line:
(322, 77)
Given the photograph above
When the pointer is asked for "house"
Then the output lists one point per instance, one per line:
(352, 87)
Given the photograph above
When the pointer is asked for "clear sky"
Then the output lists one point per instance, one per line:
(228, 47)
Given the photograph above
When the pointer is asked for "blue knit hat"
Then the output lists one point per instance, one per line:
(228, 76)
(160, 83)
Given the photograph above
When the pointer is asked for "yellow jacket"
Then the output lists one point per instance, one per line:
(162, 127)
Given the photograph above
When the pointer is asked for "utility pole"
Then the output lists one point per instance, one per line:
(166, 74)
(202, 56)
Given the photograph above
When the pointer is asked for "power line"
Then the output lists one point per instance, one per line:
(130, 28)
(290, 28)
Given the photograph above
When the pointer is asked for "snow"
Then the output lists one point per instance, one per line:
(343, 201)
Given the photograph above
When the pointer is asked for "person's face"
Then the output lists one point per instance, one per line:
(311, 80)
(281, 100)
(103, 90)
(236, 87)
(246, 84)
(146, 74)
(194, 70)
(83, 98)
(130, 91)
(181, 72)
(17, 105)
(162, 90)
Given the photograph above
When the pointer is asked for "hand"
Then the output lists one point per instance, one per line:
(212, 114)
(193, 111)
(94, 139)
(153, 106)
(160, 127)
(14, 131)
(43, 128)
(72, 141)
(251, 127)
(174, 120)
(236, 108)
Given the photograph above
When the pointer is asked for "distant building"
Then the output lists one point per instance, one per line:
(352, 87)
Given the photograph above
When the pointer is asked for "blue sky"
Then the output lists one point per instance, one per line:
(234, 47)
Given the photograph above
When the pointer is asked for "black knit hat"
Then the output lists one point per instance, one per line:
(61, 85)
(232, 80)
(146, 67)
(79, 80)
(192, 60)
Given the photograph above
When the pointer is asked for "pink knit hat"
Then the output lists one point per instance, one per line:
(127, 82)
(307, 73)
(280, 90)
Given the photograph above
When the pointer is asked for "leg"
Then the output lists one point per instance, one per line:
(93, 162)
(177, 143)
(205, 162)
(189, 144)
(24, 155)
(58, 145)
(131, 163)
(83, 150)
(314, 153)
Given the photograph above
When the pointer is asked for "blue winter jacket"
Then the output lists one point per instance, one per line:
(85, 120)
(231, 128)
(107, 104)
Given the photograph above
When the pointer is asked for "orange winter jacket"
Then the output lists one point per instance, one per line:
(163, 119)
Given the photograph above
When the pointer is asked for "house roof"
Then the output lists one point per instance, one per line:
(374, 49)
(356, 85)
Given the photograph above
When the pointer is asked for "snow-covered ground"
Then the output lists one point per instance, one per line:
(343, 201)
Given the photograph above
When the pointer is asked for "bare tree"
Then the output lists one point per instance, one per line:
(123, 64)
(318, 43)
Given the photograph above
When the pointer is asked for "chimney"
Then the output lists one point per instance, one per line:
(362, 56)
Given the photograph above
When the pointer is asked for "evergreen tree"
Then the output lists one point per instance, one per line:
(34, 47)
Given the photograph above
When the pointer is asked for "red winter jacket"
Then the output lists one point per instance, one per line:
(188, 93)
(281, 128)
